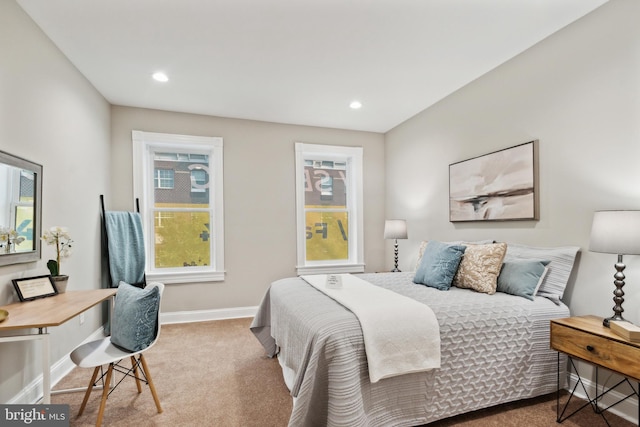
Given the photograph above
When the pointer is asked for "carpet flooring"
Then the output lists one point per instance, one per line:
(216, 374)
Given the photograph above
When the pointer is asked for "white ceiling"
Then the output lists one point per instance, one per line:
(295, 61)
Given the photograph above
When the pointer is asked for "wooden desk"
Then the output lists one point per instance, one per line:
(45, 312)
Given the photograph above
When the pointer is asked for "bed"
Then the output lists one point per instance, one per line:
(494, 347)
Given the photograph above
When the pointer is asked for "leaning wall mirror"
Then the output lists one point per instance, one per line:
(20, 209)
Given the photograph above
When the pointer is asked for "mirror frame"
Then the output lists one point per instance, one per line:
(22, 257)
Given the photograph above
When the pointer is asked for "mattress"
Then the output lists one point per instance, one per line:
(494, 349)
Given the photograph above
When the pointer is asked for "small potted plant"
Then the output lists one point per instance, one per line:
(58, 237)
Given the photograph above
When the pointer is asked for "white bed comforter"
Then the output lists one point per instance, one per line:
(494, 349)
(401, 335)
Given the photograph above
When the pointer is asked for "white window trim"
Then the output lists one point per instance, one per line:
(355, 263)
(142, 142)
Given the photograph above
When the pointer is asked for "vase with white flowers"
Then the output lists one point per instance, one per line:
(9, 239)
(59, 237)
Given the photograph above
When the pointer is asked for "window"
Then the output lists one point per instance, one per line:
(178, 180)
(20, 207)
(329, 209)
(163, 178)
(199, 180)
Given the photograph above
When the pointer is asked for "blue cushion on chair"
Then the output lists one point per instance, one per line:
(134, 317)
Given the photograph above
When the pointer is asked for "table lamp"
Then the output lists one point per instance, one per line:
(395, 229)
(616, 232)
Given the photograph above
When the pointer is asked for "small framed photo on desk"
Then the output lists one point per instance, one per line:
(30, 288)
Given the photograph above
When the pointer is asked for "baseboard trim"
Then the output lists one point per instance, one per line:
(33, 392)
(627, 409)
(207, 315)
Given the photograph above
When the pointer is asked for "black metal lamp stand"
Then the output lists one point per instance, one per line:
(395, 251)
(618, 294)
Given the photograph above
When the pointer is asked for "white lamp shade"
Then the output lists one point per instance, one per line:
(395, 229)
(616, 232)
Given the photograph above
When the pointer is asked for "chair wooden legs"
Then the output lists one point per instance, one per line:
(134, 366)
(150, 381)
(105, 393)
(107, 382)
(89, 389)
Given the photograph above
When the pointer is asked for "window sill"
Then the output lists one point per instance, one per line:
(186, 277)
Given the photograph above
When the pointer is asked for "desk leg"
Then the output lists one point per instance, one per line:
(46, 369)
(43, 336)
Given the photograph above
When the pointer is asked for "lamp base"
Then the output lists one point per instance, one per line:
(618, 294)
(395, 259)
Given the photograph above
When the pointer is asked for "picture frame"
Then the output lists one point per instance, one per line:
(30, 288)
(498, 186)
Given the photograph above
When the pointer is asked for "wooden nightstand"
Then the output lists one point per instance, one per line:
(584, 338)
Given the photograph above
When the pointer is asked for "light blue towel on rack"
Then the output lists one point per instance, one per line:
(126, 247)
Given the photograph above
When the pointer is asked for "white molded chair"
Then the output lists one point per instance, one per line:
(96, 354)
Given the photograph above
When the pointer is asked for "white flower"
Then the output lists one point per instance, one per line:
(60, 238)
(10, 235)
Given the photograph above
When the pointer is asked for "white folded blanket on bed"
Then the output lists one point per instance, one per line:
(401, 335)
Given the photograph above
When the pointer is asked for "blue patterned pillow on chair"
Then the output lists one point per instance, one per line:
(135, 314)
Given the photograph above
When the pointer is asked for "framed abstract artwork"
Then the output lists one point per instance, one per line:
(499, 186)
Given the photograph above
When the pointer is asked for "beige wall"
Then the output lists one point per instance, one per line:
(578, 93)
(259, 193)
(51, 115)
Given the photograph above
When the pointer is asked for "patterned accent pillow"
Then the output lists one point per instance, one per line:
(439, 265)
(135, 314)
(480, 267)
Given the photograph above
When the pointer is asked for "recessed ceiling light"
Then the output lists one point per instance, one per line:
(355, 105)
(160, 77)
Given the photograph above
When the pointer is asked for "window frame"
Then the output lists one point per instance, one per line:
(353, 157)
(144, 145)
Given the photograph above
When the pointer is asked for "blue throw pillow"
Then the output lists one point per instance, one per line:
(135, 314)
(522, 278)
(439, 265)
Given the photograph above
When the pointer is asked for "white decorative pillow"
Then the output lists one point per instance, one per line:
(480, 267)
(561, 263)
(421, 249)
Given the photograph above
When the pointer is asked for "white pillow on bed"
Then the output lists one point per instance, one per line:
(561, 260)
